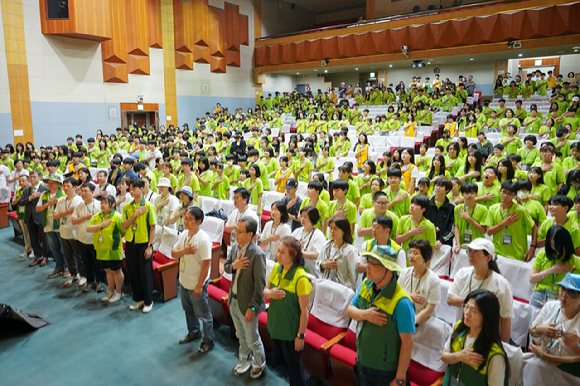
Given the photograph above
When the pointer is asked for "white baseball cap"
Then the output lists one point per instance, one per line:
(481, 245)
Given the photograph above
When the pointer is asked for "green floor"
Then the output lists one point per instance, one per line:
(89, 343)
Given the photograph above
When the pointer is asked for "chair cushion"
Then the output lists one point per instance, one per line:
(225, 285)
(314, 340)
(161, 259)
(422, 375)
(216, 293)
(263, 318)
(157, 273)
(343, 354)
(323, 329)
(13, 215)
(350, 340)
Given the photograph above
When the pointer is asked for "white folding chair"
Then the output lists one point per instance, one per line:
(331, 302)
(460, 260)
(521, 323)
(518, 274)
(444, 310)
(269, 198)
(440, 261)
(516, 361)
(207, 204)
(302, 189)
(214, 227)
(393, 141)
(226, 206)
(408, 142)
(168, 240)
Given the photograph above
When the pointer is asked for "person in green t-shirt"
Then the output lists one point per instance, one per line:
(340, 206)
(560, 207)
(534, 207)
(510, 224)
(312, 198)
(415, 225)
(488, 190)
(365, 222)
(399, 199)
(220, 184)
(470, 218)
(205, 177)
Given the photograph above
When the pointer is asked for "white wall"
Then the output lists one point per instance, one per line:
(277, 82)
(314, 81)
(346, 77)
(569, 63)
(277, 21)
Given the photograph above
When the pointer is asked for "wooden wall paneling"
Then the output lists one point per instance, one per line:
(302, 52)
(138, 65)
(154, 23)
(183, 25)
(200, 11)
(364, 44)
(115, 72)
(261, 56)
(468, 31)
(217, 65)
(444, 35)
(510, 27)
(88, 19)
(540, 19)
(288, 53)
(274, 54)
(315, 48)
(381, 42)
(200, 54)
(137, 39)
(244, 34)
(183, 60)
(570, 15)
(233, 58)
(217, 42)
(330, 48)
(346, 46)
(232, 27)
(395, 39)
(495, 29)
(114, 50)
(421, 36)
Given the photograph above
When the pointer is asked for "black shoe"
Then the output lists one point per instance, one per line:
(190, 338)
(206, 347)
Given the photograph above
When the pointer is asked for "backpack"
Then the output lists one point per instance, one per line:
(218, 213)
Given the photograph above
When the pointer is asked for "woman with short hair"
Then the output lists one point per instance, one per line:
(310, 237)
(275, 229)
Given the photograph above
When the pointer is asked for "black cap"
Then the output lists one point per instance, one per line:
(291, 184)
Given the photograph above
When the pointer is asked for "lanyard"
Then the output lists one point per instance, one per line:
(311, 233)
(396, 194)
(92, 209)
(480, 285)
(419, 282)
(471, 215)
(503, 215)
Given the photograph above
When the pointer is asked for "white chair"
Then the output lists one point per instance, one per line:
(231, 192)
(516, 361)
(269, 198)
(214, 227)
(302, 189)
(408, 142)
(331, 302)
(518, 274)
(393, 141)
(443, 310)
(272, 184)
(460, 260)
(269, 267)
(226, 206)
(207, 204)
(169, 238)
(521, 323)
(428, 343)
(440, 261)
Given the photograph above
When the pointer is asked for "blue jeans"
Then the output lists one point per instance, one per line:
(539, 298)
(55, 247)
(248, 336)
(196, 309)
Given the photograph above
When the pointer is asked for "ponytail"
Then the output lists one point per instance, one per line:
(492, 264)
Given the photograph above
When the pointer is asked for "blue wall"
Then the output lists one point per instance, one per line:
(6, 135)
(486, 89)
(191, 107)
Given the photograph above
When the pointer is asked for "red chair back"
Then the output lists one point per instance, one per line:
(323, 329)
(225, 284)
(350, 340)
(162, 259)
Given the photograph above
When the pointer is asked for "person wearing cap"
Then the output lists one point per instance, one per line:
(241, 198)
(292, 202)
(186, 198)
(483, 274)
(68, 232)
(166, 204)
(386, 321)
(138, 221)
(127, 169)
(555, 339)
(46, 205)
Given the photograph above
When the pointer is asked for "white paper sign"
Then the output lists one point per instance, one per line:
(139, 107)
(168, 118)
(18, 133)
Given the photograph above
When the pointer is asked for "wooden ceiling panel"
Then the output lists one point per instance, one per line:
(154, 23)
(261, 56)
(217, 65)
(200, 11)
(137, 36)
(232, 27)
(288, 53)
(243, 32)
(183, 60)
(217, 43)
(200, 54)
(233, 59)
(346, 46)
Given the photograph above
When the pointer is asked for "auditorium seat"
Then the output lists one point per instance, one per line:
(13, 219)
(218, 291)
(165, 280)
(342, 357)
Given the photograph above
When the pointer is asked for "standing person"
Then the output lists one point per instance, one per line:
(275, 229)
(193, 249)
(441, 213)
(24, 183)
(247, 263)
(84, 242)
(386, 322)
(474, 352)
(33, 220)
(165, 203)
(103, 188)
(107, 233)
(310, 237)
(241, 198)
(292, 202)
(46, 205)
(67, 230)
(288, 289)
(139, 219)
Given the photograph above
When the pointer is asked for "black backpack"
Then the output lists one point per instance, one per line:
(218, 213)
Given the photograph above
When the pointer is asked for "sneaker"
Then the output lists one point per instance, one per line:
(31, 256)
(241, 367)
(257, 371)
(72, 280)
(65, 273)
(136, 305)
(82, 282)
(100, 287)
(55, 273)
(190, 338)
(204, 348)
(89, 287)
(147, 309)
(115, 298)
(107, 296)
(23, 254)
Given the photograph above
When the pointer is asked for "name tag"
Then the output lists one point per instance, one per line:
(506, 239)
(160, 220)
(100, 239)
(63, 220)
(180, 227)
(21, 209)
(134, 227)
(467, 236)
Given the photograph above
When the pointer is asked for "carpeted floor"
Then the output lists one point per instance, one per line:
(90, 343)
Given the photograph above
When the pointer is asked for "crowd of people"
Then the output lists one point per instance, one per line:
(94, 204)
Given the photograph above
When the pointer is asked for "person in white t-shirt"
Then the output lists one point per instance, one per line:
(311, 238)
(4, 186)
(275, 229)
(83, 245)
(104, 187)
(165, 203)
(63, 213)
(148, 194)
(241, 199)
(193, 250)
(16, 173)
(484, 274)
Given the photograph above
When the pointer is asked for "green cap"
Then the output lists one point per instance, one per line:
(386, 255)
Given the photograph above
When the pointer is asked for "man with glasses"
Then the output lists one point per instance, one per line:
(365, 223)
(383, 347)
(510, 225)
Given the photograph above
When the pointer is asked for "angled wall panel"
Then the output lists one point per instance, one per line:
(154, 23)
(217, 44)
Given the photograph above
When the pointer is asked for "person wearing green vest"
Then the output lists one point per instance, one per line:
(288, 289)
(385, 317)
(107, 230)
(23, 182)
(474, 353)
(46, 205)
(138, 221)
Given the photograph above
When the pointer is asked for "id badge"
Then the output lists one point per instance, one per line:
(233, 238)
(467, 236)
(300, 178)
(134, 227)
(102, 162)
(455, 382)
(159, 220)
(181, 265)
(216, 194)
(100, 239)
(180, 227)
(552, 295)
(21, 209)
(63, 221)
(506, 239)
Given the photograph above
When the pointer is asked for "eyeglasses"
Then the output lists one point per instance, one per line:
(382, 203)
(571, 293)
(374, 264)
(472, 251)
(467, 309)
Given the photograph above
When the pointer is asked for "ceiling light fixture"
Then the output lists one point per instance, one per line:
(390, 65)
(428, 62)
(325, 70)
(356, 69)
(297, 73)
(520, 55)
(471, 59)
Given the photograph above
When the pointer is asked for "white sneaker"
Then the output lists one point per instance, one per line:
(23, 254)
(107, 296)
(82, 282)
(242, 367)
(115, 298)
(147, 309)
(71, 280)
(31, 256)
(136, 305)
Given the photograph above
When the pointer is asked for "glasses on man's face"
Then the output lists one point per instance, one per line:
(571, 293)
(382, 203)
(374, 264)
(467, 309)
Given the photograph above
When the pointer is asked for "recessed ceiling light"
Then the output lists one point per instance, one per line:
(325, 70)
(356, 69)
(471, 59)
(520, 55)
(297, 73)
(390, 65)
(372, 67)
(316, 69)
(428, 62)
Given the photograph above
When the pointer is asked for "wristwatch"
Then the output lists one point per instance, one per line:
(253, 309)
(400, 382)
(301, 336)
(533, 246)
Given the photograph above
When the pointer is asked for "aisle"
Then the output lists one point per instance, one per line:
(89, 343)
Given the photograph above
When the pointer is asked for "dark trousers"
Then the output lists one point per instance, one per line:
(367, 376)
(292, 359)
(140, 272)
(73, 259)
(92, 271)
(33, 232)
